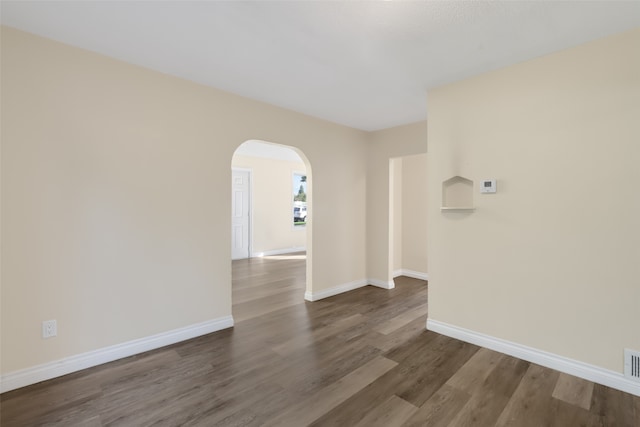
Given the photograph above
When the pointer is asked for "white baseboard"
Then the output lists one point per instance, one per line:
(67, 365)
(411, 273)
(382, 284)
(278, 252)
(335, 290)
(315, 296)
(563, 364)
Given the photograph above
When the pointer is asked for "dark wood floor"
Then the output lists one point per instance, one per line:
(358, 359)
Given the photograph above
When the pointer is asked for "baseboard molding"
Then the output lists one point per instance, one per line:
(278, 252)
(315, 296)
(411, 273)
(382, 284)
(58, 368)
(563, 364)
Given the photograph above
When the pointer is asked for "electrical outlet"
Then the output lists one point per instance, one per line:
(49, 328)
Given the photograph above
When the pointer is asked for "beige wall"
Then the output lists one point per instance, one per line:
(408, 213)
(396, 213)
(272, 226)
(414, 213)
(116, 198)
(384, 145)
(551, 260)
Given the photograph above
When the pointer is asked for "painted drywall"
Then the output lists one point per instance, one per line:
(384, 145)
(408, 214)
(116, 198)
(551, 260)
(395, 205)
(414, 213)
(272, 204)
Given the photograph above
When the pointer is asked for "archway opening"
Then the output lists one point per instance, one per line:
(271, 228)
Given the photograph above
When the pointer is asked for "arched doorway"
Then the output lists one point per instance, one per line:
(271, 226)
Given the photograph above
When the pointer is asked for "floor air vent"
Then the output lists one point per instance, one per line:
(632, 364)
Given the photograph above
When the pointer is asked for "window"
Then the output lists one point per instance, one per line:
(299, 200)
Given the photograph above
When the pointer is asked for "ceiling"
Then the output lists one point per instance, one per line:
(363, 64)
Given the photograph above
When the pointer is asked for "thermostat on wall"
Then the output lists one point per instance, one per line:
(488, 186)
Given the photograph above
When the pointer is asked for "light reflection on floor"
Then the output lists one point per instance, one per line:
(286, 257)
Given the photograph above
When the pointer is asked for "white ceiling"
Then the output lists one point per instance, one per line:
(364, 64)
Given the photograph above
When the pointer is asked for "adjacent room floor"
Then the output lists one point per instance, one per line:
(362, 358)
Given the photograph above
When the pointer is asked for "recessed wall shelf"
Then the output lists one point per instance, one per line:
(457, 195)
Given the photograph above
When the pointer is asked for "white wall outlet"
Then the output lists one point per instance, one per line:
(49, 328)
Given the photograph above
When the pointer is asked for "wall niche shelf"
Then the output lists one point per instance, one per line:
(457, 195)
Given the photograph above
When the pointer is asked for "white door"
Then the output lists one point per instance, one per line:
(240, 214)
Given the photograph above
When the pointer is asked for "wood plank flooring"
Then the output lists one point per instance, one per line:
(358, 359)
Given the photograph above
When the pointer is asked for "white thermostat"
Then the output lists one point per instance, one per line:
(488, 186)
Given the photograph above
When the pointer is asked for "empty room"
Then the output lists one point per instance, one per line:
(320, 213)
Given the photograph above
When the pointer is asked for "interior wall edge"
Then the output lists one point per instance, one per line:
(411, 273)
(340, 289)
(384, 284)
